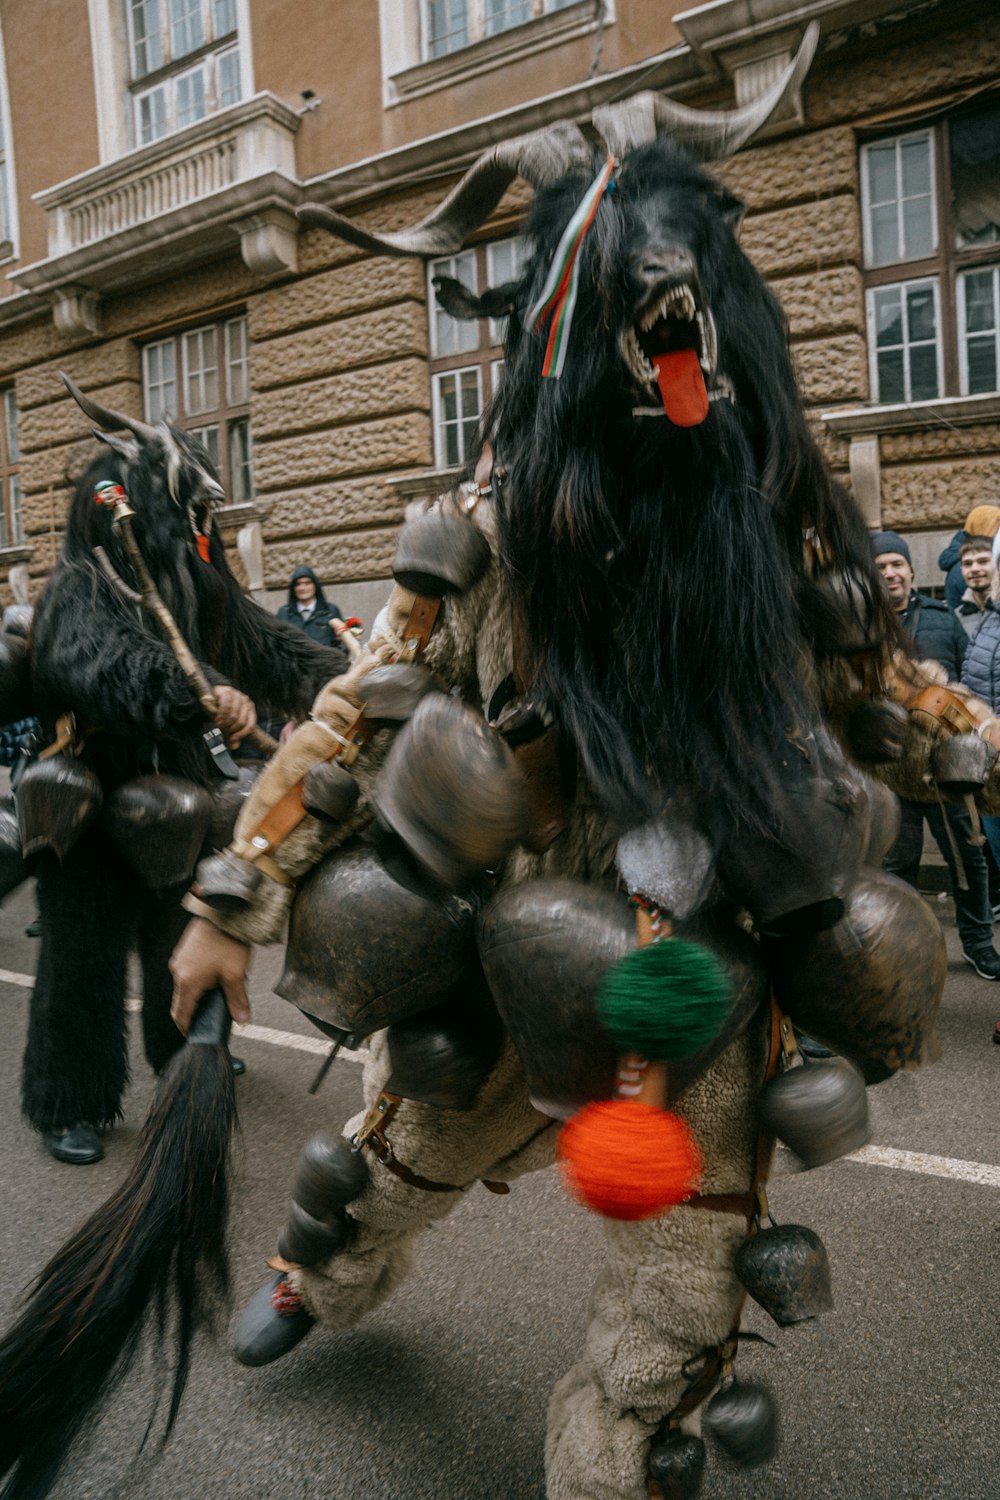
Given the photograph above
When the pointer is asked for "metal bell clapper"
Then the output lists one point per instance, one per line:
(819, 1111)
(785, 1269)
(676, 1465)
(743, 1420)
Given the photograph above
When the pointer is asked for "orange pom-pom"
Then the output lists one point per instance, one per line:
(629, 1160)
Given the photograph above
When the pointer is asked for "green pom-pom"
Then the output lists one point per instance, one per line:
(665, 1001)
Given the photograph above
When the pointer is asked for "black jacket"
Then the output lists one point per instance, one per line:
(935, 632)
(317, 627)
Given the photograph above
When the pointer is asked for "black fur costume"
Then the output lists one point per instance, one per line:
(103, 659)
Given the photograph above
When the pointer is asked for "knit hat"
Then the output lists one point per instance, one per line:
(984, 520)
(890, 541)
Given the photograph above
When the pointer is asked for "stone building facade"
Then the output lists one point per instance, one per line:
(149, 246)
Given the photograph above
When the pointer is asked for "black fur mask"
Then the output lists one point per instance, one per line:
(657, 567)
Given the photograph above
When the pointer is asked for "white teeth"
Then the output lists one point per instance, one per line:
(639, 366)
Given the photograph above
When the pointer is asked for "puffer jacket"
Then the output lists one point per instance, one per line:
(981, 668)
(936, 633)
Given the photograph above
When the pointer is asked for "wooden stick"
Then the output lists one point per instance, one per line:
(151, 601)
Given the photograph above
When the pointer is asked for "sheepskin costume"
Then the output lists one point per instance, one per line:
(668, 1288)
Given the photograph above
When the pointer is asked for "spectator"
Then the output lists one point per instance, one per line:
(937, 636)
(981, 675)
(982, 520)
(976, 558)
(307, 607)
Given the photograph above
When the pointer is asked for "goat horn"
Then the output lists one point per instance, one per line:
(709, 134)
(540, 158)
(103, 416)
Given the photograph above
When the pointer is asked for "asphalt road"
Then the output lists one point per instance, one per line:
(441, 1394)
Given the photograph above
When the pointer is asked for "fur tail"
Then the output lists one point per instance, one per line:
(154, 1253)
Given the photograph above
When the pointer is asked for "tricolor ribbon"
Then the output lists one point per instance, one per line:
(558, 295)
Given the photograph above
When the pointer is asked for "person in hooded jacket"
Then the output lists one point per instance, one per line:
(308, 607)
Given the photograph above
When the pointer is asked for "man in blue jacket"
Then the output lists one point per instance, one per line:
(937, 636)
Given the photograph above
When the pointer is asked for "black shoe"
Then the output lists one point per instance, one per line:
(78, 1145)
(34, 929)
(238, 1066)
(985, 961)
(274, 1322)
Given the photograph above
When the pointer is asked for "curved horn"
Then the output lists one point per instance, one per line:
(103, 416)
(540, 158)
(709, 134)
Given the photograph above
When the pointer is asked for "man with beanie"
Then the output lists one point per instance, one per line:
(937, 636)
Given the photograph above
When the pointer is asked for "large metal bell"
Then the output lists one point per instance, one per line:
(793, 877)
(451, 789)
(305, 1240)
(557, 939)
(228, 797)
(443, 1056)
(743, 1420)
(440, 553)
(786, 1270)
(158, 825)
(57, 799)
(393, 692)
(226, 882)
(676, 1465)
(365, 951)
(329, 1175)
(329, 791)
(13, 868)
(885, 818)
(870, 987)
(15, 679)
(819, 1111)
(961, 765)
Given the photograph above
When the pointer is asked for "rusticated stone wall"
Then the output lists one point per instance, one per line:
(340, 398)
(803, 231)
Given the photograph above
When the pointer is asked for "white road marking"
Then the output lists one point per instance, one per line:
(869, 1156)
(269, 1034)
(26, 981)
(929, 1166)
(298, 1043)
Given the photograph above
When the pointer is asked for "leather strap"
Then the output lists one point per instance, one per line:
(419, 626)
(372, 1135)
(937, 702)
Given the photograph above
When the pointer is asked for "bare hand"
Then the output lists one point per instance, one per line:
(236, 716)
(205, 957)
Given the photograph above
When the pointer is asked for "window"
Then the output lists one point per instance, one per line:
(451, 24)
(11, 516)
(200, 379)
(931, 228)
(184, 62)
(465, 363)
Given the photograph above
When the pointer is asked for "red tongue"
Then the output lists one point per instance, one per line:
(682, 387)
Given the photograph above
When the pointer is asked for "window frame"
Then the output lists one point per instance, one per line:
(228, 416)
(485, 356)
(11, 493)
(203, 59)
(963, 333)
(945, 265)
(477, 25)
